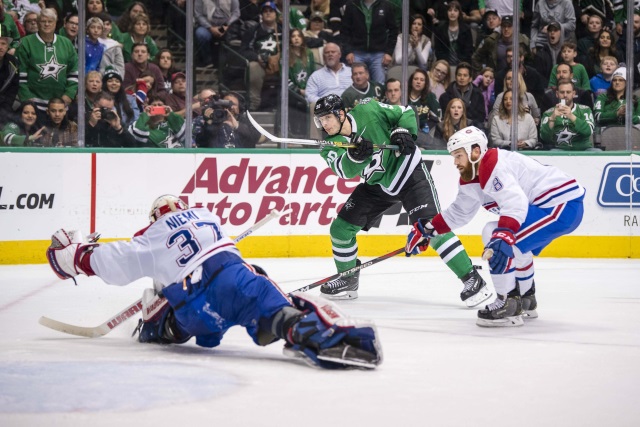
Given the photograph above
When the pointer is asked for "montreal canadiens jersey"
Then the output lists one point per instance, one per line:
(507, 184)
(167, 251)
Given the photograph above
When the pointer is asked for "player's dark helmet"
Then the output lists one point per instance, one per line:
(330, 104)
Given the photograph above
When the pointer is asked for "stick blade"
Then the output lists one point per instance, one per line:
(81, 331)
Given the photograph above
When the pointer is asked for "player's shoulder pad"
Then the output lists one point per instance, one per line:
(487, 165)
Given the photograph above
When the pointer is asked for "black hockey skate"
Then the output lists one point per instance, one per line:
(505, 311)
(342, 287)
(529, 303)
(475, 289)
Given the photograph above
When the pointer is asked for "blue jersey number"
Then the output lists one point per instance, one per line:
(188, 245)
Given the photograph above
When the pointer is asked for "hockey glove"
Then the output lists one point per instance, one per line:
(362, 151)
(403, 139)
(501, 243)
(419, 237)
(67, 256)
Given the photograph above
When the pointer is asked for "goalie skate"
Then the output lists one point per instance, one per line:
(505, 311)
(475, 290)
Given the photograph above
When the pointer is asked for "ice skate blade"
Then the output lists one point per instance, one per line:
(483, 295)
(346, 295)
(507, 322)
(349, 362)
(529, 314)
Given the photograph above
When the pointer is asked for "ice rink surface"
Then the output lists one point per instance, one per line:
(578, 364)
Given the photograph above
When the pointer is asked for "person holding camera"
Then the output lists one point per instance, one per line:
(158, 126)
(226, 125)
(104, 126)
(213, 18)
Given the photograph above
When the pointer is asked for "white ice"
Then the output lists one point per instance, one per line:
(578, 364)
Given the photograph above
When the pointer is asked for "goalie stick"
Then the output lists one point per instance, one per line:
(131, 310)
(318, 142)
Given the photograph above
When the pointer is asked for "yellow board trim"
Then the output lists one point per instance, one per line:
(33, 251)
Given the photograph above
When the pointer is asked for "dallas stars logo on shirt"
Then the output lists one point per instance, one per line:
(565, 137)
(301, 76)
(50, 69)
(269, 46)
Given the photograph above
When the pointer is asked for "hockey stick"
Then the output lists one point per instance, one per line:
(136, 307)
(350, 271)
(318, 142)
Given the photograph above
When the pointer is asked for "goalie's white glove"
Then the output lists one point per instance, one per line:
(69, 253)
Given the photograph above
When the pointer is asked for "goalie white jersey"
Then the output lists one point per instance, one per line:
(168, 250)
(507, 183)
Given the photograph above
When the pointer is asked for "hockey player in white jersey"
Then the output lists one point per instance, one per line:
(204, 287)
(535, 203)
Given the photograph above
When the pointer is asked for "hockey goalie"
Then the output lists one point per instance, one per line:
(203, 287)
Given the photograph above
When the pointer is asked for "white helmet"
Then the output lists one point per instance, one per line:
(467, 138)
(165, 204)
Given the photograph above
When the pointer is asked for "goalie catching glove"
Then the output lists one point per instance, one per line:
(321, 334)
(69, 253)
(403, 139)
(419, 237)
(362, 151)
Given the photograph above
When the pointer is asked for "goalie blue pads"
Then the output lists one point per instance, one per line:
(158, 323)
(330, 339)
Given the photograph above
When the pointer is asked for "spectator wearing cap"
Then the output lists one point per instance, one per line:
(93, 48)
(493, 50)
(112, 83)
(369, 35)
(176, 99)
(315, 6)
(261, 47)
(502, 7)
(547, 53)
(9, 75)
(140, 63)
(112, 56)
(490, 23)
(316, 36)
(213, 18)
(11, 30)
(610, 107)
(558, 12)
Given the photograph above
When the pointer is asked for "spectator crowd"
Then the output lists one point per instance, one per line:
(572, 75)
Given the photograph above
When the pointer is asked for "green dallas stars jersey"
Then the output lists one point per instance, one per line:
(47, 70)
(567, 135)
(374, 121)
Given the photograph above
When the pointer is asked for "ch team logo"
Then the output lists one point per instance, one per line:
(620, 186)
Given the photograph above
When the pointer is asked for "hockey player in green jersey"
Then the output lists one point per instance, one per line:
(567, 126)
(389, 177)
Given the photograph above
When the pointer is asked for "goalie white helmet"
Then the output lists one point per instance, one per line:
(165, 204)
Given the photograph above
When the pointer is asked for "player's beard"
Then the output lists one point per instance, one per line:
(466, 174)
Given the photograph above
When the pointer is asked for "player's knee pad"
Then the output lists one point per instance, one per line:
(162, 327)
(343, 231)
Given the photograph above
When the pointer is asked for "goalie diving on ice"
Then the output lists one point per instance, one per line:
(203, 287)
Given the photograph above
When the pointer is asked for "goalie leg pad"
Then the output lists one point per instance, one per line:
(158, 323)
(329, 338)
